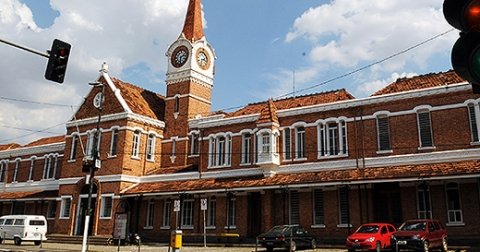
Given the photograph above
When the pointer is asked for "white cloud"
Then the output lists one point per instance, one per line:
(122, 34)
(346, 34)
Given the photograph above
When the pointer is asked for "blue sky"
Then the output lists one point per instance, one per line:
(259, 45)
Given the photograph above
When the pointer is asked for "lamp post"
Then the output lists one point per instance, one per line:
(98, 103)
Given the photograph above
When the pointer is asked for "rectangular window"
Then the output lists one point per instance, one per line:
(425, 129)
(65, 207)
(194, 144)
(454, 208)
(3, 169)
(106, 207)
(49, 167)
(246, 148)
(473, 123)
(383, 133)
(294, 208)
(151, 147)
(167, 206)
(231, 210)
(300, 143)
(318, 207)
(187, 212)
(113, 143)
(266, 143)
(73, 151)
(423, 201)
(333, 139)
(211, 212)
(287, 155)
(150, 212)
(136, 144)
(51, 209)
(344, 206)
(32, 169)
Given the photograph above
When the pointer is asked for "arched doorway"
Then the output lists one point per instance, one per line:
(82, 209)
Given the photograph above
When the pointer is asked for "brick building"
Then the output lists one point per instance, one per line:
(327, 161)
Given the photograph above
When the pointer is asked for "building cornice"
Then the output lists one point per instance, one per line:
(34, 150)
(115, 117)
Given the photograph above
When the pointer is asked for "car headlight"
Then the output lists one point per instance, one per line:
(371, 239)
(394, 238)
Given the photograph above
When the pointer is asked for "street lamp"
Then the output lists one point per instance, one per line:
(98, 103)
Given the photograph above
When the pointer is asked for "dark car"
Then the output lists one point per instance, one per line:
(420, 235)
(371, 236)
(287, 236)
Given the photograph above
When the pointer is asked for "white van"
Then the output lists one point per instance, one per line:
(23, 228)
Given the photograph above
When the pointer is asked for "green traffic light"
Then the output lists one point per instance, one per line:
(476, 63)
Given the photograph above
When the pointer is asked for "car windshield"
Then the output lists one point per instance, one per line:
(279, 230)
(368, 229)
(413, 226)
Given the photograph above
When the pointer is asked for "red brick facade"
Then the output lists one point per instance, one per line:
(326, 161)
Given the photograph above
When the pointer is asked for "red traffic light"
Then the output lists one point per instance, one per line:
(463, 14)
(57, 61)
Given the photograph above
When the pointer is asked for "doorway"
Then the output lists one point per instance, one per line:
(254, 214)
(387, 203)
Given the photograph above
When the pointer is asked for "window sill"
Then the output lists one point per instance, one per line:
(148, 228)
(230, 227)
(151, 160)
(165, 227)
(136, 158)
(429, 148)
(300, 159)
(210, 227)
(455, 224)
(219, 167)
(71, 161)
(245, 164)
(318, 226)
(333, 156)
(384, 151)
(344, 225)
(64, 218)
(111, 156)
(193, 155)
(105, 217)
(187, 227)
(475, 143)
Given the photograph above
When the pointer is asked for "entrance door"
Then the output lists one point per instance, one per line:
(254, 214)
(387, 203)
(82, 210)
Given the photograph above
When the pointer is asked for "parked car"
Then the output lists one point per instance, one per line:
(23, 228)
(287, 236)
(420, 235)
(371, 236)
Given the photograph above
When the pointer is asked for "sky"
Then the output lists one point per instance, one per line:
(265, 49)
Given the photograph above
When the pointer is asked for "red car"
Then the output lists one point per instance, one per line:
(371, 236)
(421, 235)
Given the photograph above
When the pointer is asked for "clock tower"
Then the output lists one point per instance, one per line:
(189, 76)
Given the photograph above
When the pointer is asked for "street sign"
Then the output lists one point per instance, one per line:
(176, 205)
(203, 204)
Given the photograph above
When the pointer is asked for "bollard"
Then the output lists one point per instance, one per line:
(176, 240)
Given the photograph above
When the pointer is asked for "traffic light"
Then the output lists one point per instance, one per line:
(465, 16)
(57, 61)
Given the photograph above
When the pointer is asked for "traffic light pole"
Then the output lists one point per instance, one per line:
(46, 55)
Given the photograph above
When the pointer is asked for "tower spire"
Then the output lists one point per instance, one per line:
(193, 27)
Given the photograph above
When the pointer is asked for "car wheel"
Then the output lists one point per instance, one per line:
(425, 246)
(378, 247)
(269, 249)
(37, 242)
(293, 246)
(313, 244)
(17, 241)
(444, 244)
(351, 250)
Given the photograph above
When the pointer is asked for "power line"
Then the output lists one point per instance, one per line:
(45, 130)
(35, 102)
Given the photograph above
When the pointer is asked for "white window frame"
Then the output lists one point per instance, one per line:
(327, 130)
(114, 142)
(63, 208)
(15, 171)
(3, 170)
(137, 134)
(220, 147)
(31, 173)
(50, 166)
(474, 122)
(287, 146)
(452, 186)
(103, 201)
(167, 207)
(150, 215)
(300, 143)
(246, 148)
(425, 199)
(74, 146)
(151, 141)
(194, 138)
(231, 222)
(383, 135)
(422, 131)
(211, 213)
(187, 208)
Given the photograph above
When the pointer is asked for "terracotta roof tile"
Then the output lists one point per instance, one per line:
(9, 146)
(421, 82)
(366, 175)
(268, 114)
(294, 102)
(142, 101)
(46, 140)
(28, 194)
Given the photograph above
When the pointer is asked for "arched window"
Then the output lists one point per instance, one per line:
(332, 138)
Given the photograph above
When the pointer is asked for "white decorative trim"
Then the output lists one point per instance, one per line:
(115, 117)
(25, 151)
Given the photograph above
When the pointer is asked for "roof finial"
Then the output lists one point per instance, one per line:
(193, 27)
(104, 68)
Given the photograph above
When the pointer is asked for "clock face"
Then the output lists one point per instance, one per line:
(179, 56)
(98, 100)
(202, 59)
